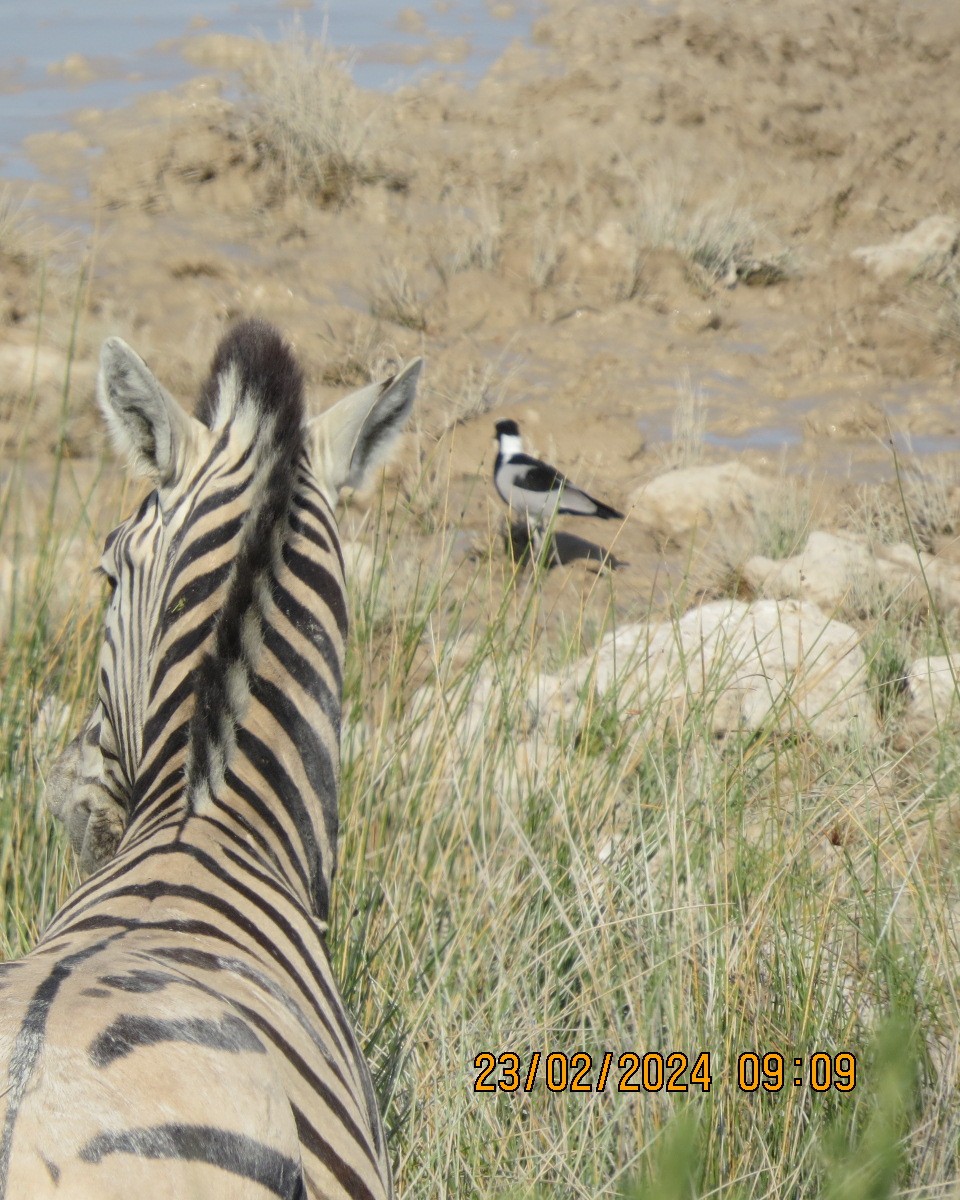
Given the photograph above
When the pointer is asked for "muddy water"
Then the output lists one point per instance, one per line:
(64, 55)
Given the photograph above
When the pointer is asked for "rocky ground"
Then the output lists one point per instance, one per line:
(704, 253)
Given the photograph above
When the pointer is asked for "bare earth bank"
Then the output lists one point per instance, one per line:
(637, 237)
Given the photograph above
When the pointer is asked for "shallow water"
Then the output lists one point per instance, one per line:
(62, 55)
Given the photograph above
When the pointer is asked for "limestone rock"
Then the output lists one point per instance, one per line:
(927, 248)
(829, 569)
(698, 498)
(844, 570)
(932, 694)
(930, 575)
(766, 664)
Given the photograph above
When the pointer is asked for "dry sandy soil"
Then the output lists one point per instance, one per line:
(651, 210)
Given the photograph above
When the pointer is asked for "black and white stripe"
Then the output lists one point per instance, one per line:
(178, 1030)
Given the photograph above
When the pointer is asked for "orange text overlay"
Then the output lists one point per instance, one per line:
(630, 1071)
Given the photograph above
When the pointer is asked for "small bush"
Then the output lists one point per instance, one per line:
(303, 116)
(396, 298)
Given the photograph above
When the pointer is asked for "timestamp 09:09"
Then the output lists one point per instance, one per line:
(654, 1072)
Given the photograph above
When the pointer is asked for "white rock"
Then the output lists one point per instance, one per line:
(553, 699)
(827, 571)
(769, 663)
(679, 501)
(928, 247)
(843, 569)
(902, 563)
(461, 712)
(932, 699)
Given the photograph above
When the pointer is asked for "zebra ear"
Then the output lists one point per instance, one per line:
(144, 420)
(357, 434)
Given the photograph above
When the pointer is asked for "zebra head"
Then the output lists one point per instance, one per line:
(221, 479)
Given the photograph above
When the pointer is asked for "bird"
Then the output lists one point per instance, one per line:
(536, 491)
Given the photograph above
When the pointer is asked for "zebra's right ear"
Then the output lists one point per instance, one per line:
(145, 422)
(355, 436)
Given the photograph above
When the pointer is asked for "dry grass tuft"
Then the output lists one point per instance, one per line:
(17, 240)
(305, 120)
(547, 250)
(720, 237)
(364, 357)
(467, 236)
(395, 297)
(921, 506)
(688, 426)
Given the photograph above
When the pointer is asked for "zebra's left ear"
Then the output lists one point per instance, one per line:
(356, 435)
(144, 420)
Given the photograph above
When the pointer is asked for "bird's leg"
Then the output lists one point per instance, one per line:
(554, 553)
(534, 540)
(543, 547)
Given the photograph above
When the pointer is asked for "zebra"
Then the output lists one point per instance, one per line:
(178, 1031)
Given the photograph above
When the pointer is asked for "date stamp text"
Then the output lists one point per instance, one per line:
(631, 1071)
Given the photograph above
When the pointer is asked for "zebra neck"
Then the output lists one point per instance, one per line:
(266, 773)
(276, 786)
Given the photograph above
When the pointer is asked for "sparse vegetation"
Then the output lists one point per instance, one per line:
(630, 283)
(306, 121)
(887, 651)
(395, 297)
(360, 361)
(921, 504)
(512, 886)
(614, 892)
(547, 250)
(469, 235)
(478, 391)
(688, 425)
(17, 236)
(719, 237)
(780, 528)
(947, 319)
(930, 303)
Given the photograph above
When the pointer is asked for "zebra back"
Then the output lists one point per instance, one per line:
(178, 1028)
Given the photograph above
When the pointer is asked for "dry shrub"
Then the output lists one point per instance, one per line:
(720, 237)
(688, 425)
(922, 505)
(16, 229)
(305, 119)
(395, 297)
(467, 236)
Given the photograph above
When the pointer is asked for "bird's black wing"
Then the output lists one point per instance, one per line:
(536, 476)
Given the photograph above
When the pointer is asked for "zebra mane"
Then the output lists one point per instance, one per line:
(256, 384)
(253, 367)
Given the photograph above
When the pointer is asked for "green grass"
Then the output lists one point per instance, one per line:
(621, 893)
(50, 629)
(583, 887)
